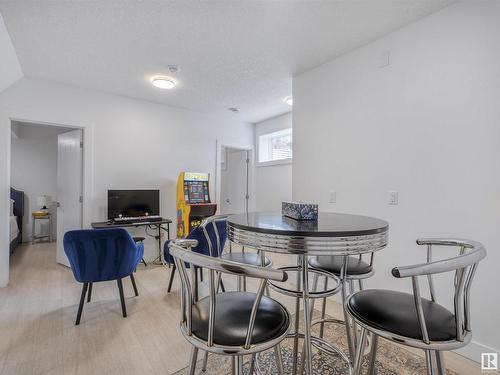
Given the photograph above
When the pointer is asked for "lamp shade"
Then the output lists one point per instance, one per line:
(43, 200)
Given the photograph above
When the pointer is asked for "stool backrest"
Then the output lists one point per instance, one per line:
(219, 266)
(215, 230)
(464, 265)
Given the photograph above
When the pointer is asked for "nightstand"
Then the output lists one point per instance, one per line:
(39, 215)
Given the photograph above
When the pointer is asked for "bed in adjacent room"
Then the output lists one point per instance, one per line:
(16, 218)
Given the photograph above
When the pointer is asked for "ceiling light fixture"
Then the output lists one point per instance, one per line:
(163, 83)
(288, 100)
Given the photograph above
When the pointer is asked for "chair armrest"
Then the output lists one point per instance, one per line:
(448, 242)
(186, 243)
(440, 266)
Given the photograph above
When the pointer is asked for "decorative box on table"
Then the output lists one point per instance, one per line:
(299, 210)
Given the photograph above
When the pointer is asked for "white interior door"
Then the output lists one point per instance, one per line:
(234, 182)
(69, 187)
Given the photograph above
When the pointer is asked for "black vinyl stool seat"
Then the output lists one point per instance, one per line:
(395, 312)
(233, 310)
(333, 264)
(411, 320)
(246, 258)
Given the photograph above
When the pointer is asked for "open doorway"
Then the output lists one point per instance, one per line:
(235, 180)
(46, 177)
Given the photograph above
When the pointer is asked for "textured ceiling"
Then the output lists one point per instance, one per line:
(231, 53)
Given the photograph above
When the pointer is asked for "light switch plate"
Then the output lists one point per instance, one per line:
(332, 197)
(393, 198)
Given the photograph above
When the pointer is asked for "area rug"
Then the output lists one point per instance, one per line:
(391, 359)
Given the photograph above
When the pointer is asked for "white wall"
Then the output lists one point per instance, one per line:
(129, 143)
(10, 70)
(427, 126)
(33, 167)
(273, 183)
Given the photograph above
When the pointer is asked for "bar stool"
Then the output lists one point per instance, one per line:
(230, 323)
(244, 257)
(357, 270)
(313, 294)
(409, 319)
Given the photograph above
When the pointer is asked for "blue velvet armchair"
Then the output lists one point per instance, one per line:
(217, 242)
(102, 255)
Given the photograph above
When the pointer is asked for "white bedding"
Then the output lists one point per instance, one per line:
(14, 230)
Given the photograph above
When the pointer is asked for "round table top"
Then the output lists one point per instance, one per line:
(331, 234)
(327, 225)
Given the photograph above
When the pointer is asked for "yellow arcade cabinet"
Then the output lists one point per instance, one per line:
(193, 201)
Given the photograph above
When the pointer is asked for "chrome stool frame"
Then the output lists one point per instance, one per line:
(349, 278)
(220, 266)
(298, 294)
(464, 265)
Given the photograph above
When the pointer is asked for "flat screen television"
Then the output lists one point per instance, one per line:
(132, 203)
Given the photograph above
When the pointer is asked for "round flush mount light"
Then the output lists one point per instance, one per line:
(163, 83)
(288, 100)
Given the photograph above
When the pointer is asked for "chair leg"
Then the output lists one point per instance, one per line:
(252, 365)
(82, 300)
(323, 310)
(171, 278)
(239, 365)
(132, 278)
(279, 359)
(429, 364)
(222, 287)
(89, 294)
(358, 360)
(373, 355)
(205, 362)
(311, 311)
(233, 365)
(192, 360)
(441, 368)
(122, 297)
(244, 284)
(201, 274)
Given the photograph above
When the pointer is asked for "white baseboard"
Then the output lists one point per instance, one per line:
(474, 349)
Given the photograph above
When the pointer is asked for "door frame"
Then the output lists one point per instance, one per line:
(251, 169)
(87, 172)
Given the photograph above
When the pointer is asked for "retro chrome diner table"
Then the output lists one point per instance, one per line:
(332, 234)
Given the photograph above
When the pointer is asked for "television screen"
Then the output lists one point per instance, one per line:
(129, 203)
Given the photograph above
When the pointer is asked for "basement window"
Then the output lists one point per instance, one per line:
(275, 147)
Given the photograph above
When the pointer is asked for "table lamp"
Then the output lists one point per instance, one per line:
(43, 201)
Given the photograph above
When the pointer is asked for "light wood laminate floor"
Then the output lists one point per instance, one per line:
(38, 310)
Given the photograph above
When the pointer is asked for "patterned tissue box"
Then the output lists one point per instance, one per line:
(300, 211)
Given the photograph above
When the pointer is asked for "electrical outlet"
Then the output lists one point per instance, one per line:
(333, 197)
(393, 198)
(384, 59)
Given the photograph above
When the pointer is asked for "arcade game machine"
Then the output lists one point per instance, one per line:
(193, 201)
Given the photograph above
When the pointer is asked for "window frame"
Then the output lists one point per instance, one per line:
(283, 161)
